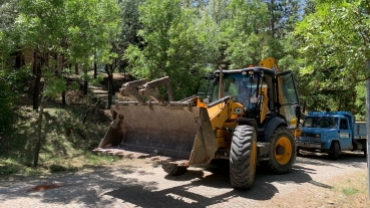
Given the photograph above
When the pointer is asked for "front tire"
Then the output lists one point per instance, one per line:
(243, 157)
(334, 150)
(282, 151)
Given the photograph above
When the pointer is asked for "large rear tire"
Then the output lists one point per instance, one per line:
(282, 151)
(173, 169)
(243, 157)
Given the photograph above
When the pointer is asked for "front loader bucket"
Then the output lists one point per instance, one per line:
(175, 130)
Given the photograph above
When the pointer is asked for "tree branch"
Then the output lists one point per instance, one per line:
(363, 30)
(340, 36)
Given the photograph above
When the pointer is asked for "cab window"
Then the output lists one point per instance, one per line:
(343, 124)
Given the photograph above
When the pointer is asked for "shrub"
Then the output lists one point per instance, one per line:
(12, 84)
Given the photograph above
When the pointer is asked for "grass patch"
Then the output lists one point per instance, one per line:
(101, 159)
(349, 191)
(55, 168)
(67, 142)
(9, 167)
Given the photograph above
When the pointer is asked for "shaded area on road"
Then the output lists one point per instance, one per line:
(215, 188)
(354, 159)
(147, 186)
(83, 189)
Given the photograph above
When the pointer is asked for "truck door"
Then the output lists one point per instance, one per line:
(344, 134)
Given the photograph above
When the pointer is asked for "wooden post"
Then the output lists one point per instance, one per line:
(220, 84)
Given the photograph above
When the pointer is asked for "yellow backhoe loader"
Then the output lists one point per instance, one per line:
(245, 116)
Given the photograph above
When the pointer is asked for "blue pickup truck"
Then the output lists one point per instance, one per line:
(331, 132)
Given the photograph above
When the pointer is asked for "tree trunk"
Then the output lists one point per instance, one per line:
(353, 103)
(36, 87)
(76, 70)
(110, 90)
(272, 18)
(111, 80)
(60, 68)
(18, 60)
(39, 128)
(86, 87)
(110, 85)
(340, 104)
(95, 69)
(64, 98)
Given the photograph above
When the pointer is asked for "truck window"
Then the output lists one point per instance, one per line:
(240, 87)
(320, 122)
(343, 124)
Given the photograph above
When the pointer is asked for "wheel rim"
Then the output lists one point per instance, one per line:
(284, 158)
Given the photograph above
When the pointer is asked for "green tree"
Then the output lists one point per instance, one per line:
(309, 7)
(283, 14)
(336, 48)
(54, 28)
(217, 10)
(128, 29)
(12, 85)
(243, 32)
(8, 14)
(176, 45)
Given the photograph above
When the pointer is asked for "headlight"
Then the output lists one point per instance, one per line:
(238, 111)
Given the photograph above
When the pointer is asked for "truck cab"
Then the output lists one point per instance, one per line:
(331, 132)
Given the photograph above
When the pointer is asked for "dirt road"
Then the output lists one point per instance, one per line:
(139, 183)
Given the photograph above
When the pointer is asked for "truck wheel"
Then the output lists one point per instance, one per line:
(243, 157)
(299, 152)
(282, 151)
(173, 169)
(334, 150)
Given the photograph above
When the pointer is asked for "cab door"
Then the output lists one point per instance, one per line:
(287, 97)
(344, 134)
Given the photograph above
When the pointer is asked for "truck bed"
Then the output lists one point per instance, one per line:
(360, 131)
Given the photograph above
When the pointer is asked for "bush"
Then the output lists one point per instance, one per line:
(12, 84)
(6, 116)
(6, 113)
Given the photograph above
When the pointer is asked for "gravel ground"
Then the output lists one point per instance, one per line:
(139, 183)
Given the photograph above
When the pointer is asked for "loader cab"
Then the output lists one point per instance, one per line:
(241, 87)
(249, 87)
(262, 92)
